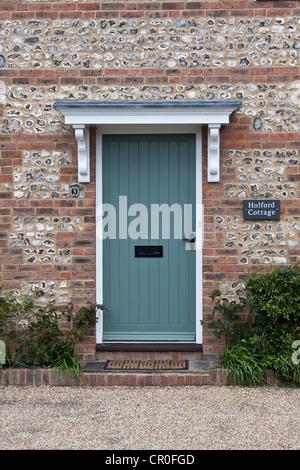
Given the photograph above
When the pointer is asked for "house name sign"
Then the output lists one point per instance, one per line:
(261, 209)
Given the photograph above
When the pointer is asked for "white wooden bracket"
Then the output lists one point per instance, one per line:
(213, 153)
(83, 143)
(184, 114)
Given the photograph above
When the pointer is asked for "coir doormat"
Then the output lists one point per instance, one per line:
(146, 365)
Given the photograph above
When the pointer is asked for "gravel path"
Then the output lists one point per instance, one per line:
(149, 418)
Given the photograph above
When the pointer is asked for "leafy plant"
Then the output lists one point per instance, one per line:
(264, 341)
(11, 306)
(50, 338)
(244, 364)
(67, 361)
(11, 309)
(274, 299)
(230, 324)
(283, 365)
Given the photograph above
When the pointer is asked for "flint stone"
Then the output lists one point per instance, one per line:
(257, 124)
(2, 61)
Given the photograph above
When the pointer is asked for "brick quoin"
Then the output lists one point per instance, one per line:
(145, 51)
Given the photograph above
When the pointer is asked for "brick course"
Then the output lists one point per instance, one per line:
(52, 377)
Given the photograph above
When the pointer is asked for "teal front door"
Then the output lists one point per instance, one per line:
(148, 213)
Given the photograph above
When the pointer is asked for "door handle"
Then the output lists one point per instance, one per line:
(191, 240)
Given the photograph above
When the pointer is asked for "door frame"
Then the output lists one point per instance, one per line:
(149, 117)
(150, 129)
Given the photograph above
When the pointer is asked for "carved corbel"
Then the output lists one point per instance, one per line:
(83, 143)
(213, 153)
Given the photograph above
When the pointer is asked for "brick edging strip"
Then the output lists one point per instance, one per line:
(40, 377)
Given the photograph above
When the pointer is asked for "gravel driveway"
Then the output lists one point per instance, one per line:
(149, 418)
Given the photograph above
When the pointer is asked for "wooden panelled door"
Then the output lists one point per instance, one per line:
(148, 261)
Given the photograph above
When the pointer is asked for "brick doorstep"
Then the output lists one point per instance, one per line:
(42, 377)
(144, 379)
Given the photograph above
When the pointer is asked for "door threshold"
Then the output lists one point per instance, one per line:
(149, 346)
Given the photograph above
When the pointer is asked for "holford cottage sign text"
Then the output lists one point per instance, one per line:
(261, 210)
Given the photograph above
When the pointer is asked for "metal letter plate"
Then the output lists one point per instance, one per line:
(148, 251)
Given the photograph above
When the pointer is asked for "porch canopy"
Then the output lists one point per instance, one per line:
(82, 114)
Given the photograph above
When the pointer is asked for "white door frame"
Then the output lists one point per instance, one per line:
(150, 129)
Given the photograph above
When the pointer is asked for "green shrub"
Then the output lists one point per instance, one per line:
(274, 299)
(266, 338)
(275, 295)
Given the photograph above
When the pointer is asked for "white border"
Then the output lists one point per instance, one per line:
(149, 129)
